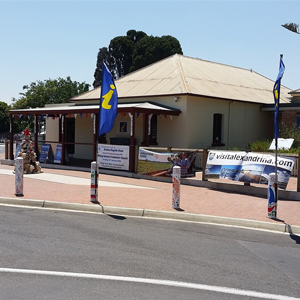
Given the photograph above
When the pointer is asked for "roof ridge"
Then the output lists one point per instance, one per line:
(214, 62)
(181, 73)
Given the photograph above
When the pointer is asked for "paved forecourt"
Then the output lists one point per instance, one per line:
(132, 196)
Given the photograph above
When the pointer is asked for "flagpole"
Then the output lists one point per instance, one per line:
(276, 147)
(276, 175)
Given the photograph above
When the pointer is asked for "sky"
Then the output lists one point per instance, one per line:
(42, 40)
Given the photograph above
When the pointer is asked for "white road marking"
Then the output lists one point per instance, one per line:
(212, 288)
(73, 180)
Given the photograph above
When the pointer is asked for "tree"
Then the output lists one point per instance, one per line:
(132, 52)
(103, 55)
(4, 118)
(151, 49)
(49, 91)
(292, 27)
(39, 93)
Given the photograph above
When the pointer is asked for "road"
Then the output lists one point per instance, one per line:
(51, 254)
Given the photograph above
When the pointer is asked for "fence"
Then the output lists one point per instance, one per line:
(199, 156)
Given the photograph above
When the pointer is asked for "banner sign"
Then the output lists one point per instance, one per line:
(248, 167)
(58, 154)
(44, 153)
(161, 164)
(113, 157)
(282, 144)
(155, 156)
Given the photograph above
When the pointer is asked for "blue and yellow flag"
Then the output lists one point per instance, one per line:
(276, 93)
(108, 102)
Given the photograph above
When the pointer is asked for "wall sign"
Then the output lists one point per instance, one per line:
(113, 157)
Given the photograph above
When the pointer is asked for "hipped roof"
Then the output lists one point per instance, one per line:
(182, 75)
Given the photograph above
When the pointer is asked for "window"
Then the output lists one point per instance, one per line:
(153, 134)
(70, 135)
(152, 139)
(217, 130)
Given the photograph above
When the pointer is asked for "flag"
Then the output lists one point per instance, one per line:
(108, 102)
(276, 93)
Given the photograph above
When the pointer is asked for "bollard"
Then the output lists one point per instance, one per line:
(94, 182)
(176, 187)
(272, 196)
(19, 171)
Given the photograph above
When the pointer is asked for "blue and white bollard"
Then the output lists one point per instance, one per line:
(94, 182)
(19, 172)
(272, 196)
(176, 175)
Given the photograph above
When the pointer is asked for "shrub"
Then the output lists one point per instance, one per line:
(260, 146)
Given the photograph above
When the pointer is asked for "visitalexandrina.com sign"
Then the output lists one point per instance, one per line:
(113, 157)
(248, 167)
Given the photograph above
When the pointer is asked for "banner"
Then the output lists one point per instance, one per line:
(108, 102)
(248, 167)
(113, 157)
(44, 153)
(161, 164)
(58, 154)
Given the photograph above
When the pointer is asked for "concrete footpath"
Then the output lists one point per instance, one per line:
(127, 196)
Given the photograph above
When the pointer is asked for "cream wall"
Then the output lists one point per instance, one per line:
(171, 131)
(84, 131)
(247, 124)
(115, 132)
(199, 118)
(193, 128)
(52, 132)
(242, 122)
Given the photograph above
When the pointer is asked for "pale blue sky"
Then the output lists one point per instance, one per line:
(51, 39)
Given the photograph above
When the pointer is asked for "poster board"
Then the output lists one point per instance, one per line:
(281, 144)
(58, 154)
(113, 157)
(44, 153)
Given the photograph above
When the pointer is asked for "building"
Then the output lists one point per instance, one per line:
(180, 102)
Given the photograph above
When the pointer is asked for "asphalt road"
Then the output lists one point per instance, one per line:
(49, 254)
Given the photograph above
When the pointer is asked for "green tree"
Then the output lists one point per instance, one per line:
(103, 55)
(151, 49)
(292, 27)
(49, 91)
(132, 52)
(4, 118)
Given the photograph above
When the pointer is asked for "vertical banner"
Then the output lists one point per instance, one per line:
(62, 124)
(149, 123)
(94, 124)
(108, 102)
(131, 124)
(58, 154)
